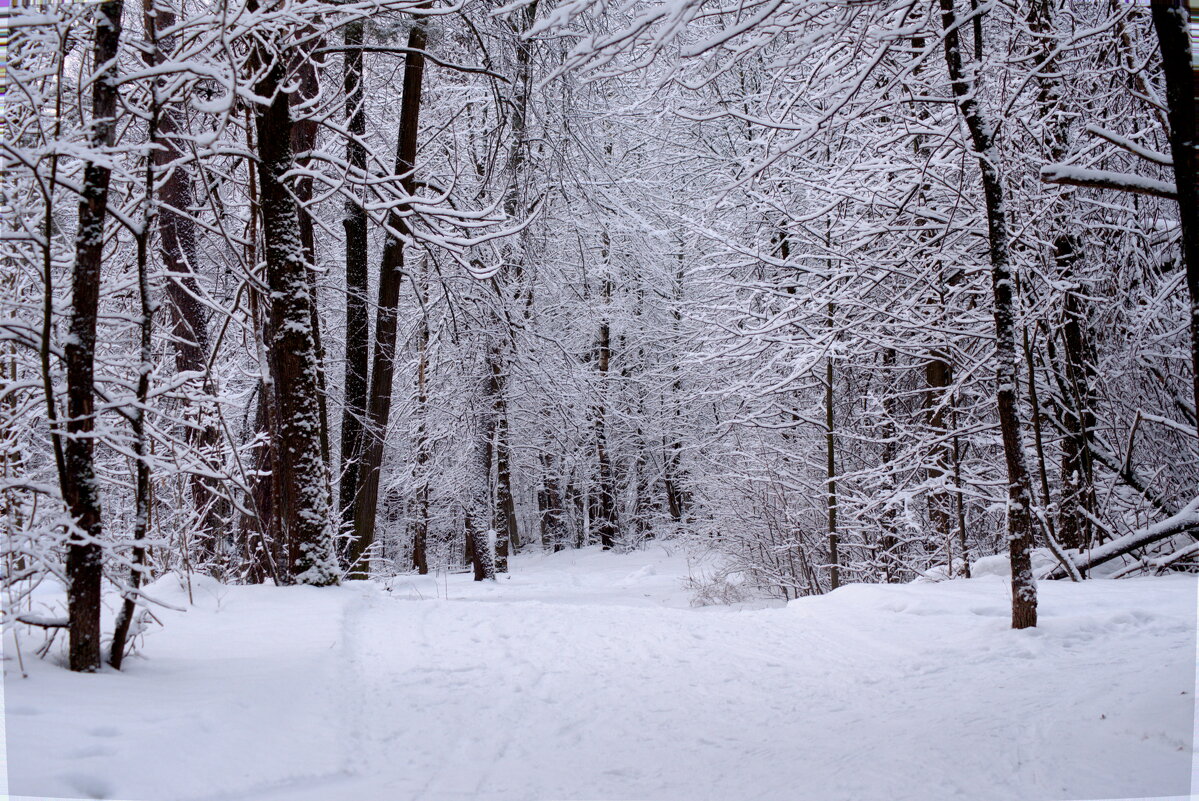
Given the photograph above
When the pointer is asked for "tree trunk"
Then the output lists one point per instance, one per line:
(507, 534)
(303, 141)
(504, 514)
(830, 442)
(1171, 22)
(938, 375)
(1019, 521)
(391, 271)
(84, 553)
(604, 506)
(357, 316)
(550, 506)
(177, 248)
(263, 540)
(960, 503)
(888, 542)
(420, 531)
(478, 547)
(672, 458)
(303, 502)
(141, 519)
(1078, 501)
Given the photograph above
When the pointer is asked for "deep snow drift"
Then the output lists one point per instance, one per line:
(587, 676)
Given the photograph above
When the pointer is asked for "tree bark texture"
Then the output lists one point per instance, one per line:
(357, 315)
(303, 502)
(82, 495)
(189, 322)
(1019, 520)
(1171, 22)
(391, 272)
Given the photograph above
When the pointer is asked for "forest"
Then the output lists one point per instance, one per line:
(823, 293)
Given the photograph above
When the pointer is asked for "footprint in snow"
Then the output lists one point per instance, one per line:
(104, 731)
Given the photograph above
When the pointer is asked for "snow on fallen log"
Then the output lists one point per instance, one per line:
(43, 621)
(1070, 175)
(1186, 518)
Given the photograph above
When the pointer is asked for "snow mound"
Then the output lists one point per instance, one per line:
(1043, 562)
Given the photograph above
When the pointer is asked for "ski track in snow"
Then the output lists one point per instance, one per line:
(585, 675)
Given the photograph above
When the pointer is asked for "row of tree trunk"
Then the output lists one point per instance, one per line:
(298, 514)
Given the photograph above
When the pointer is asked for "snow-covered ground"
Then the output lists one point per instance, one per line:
(587, 675)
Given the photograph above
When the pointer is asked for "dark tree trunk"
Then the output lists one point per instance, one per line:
(120, 633)
(84, 553)
(507, 535)
(888, 542)
(604, 505)
(420, 531)
(1078, 502)
(1019, 521)
(550, 506)
(478, 513)
(1171, 20)
(938, 375)
(357, 315)
(830, 444)
(504, 515)
(960, 502)
(263, 538)
(677, 500)
(302, 504)
(141, 519)
(189, 326)
(303, 142)
(391, 271)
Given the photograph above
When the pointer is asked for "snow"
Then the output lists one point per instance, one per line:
(588, 675)
(1079, 176)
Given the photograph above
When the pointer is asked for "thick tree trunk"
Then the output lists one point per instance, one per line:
(391, 272)
(357, 315)
(1079, 502)
(303, 142)
(1171, 20)
(84, 552)
(1019, 520)
(263, 539)
(303, 502)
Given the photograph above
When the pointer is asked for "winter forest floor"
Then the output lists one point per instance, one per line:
(587, 675)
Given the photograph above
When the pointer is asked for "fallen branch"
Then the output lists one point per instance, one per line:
(1186, 519)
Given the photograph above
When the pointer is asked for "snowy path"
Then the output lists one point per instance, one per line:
(586, 676)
